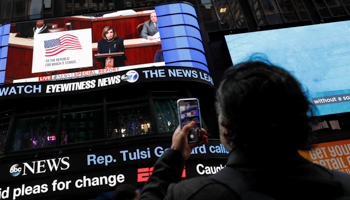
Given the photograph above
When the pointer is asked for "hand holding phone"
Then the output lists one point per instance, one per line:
(180, 142)
(188, 110)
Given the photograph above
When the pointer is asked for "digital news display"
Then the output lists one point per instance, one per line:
(77, 46)
(317, 55)
(98, 170)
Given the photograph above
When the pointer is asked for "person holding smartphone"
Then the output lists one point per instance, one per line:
(264, 118)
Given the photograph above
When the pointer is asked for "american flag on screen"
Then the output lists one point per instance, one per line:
(65, 42)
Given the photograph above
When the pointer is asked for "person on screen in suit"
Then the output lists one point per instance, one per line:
(150, 27)
(109, 44)
(40, 27)
(126, 192)
(264, 118)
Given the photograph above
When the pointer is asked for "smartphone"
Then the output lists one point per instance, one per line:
(188, 111)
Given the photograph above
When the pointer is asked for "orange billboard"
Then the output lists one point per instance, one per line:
(333, 155)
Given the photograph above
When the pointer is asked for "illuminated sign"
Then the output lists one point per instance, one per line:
(332, 155)
(180, 36)
(94, 83)
(143, 174)
(40, 166)
(317, 55)
(90, 171)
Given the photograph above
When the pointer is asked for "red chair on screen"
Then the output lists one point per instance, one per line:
(139, 28)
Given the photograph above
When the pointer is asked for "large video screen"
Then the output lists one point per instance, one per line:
(317, 55)
(75, 46)
(66, 47)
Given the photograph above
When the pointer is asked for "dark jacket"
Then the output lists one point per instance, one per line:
(289, 177)
(115, 45)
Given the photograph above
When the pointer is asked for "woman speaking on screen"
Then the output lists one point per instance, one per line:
(110, 44)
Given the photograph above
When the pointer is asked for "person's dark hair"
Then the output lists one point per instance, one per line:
(264, 106)
(124, 192)
(106, 29)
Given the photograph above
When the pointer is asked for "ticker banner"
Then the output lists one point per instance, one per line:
(92, 82)
(97, 170)
(332, 155)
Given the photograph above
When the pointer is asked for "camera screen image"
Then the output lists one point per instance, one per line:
(189, 111)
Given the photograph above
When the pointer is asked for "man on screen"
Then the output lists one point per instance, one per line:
(150, 28)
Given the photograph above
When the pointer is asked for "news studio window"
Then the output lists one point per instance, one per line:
(35, 132)
(166, 115)
(5, 117)
(81, 126)
(125, 120)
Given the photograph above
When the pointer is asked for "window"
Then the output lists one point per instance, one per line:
(271, 11)
(35, 7)
(299, 4)
(6, 7)
(258, 12)
(347, 5)
(288, 11)
(166, 115)
(336, 7)
(208, 15)
(238, 14)
(109, 5)
(81, 126)
(129, 120)
(225, 15)
(322, 8)
(36, 132)
(19, 10)
(68, 7)
(4, 125)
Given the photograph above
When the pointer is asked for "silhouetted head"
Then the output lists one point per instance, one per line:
(263, 106)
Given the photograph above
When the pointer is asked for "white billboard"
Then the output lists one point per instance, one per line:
(62, 50)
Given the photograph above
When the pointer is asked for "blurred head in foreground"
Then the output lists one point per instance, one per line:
(262, 106)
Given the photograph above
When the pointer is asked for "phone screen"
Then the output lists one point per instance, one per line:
(189, 111)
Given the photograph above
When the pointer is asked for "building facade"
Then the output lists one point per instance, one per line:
(81, 132)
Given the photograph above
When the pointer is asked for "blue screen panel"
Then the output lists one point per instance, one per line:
(177, 31)
(182, 42)
(189, 64)
(2, 77)
(317, 55)
(5, 29)
(4, 40)
(177, 19)
(175, 9)
(3, 64)
(3, 53)
(184, 55)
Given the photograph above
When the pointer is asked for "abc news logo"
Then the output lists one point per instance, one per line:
(132, 76)
(40, 166)
(143, 174)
